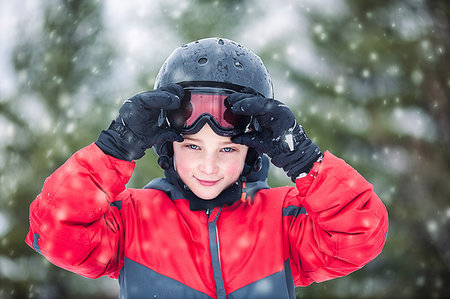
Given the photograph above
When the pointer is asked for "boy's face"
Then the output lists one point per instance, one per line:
(208, 163)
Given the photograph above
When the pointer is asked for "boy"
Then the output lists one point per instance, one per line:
(211, 228)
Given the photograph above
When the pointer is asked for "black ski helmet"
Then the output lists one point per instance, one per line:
(216, 62)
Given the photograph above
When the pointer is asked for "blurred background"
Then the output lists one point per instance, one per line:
(369, 81)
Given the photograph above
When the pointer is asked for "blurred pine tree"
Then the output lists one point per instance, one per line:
(61, 58)
(373, 90)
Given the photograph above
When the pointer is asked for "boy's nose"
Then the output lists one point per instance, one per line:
(209, 164)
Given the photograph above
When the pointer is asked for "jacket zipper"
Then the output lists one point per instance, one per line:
(214, 248)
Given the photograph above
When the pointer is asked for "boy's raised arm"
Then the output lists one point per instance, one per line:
(73, 222)
(334, 222)
(342, 224)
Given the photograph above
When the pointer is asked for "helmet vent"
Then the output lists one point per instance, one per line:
(238, 65)
(202, 60)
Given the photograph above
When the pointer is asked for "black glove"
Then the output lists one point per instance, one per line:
(275, 132)
(140, 124)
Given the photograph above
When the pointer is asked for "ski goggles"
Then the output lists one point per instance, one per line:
(202, 105)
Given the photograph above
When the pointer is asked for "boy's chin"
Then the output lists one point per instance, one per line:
(206, 197)
(207, 194)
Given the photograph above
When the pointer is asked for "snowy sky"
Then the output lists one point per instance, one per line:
(123, 21)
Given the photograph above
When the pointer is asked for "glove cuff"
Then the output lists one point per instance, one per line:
(119, 142)
(301, 160)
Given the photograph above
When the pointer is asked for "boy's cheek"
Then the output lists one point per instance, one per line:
(235, 169)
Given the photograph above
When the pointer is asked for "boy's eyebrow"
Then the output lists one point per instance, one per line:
(228, 142)
(191, 138)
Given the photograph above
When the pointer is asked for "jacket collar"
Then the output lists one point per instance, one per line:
(174, 187)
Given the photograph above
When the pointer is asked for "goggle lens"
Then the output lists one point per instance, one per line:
(197, 105)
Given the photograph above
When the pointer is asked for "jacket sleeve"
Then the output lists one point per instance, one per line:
(335, 223)
(74, 222)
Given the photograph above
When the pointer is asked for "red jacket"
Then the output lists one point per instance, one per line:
(87, 221)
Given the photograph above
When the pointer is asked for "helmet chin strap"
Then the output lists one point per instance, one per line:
(253, 162)
(164, 161)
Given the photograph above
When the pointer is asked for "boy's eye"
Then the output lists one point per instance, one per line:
(227, 149)
(192, 146)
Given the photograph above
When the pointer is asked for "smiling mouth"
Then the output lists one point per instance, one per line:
(207, 183)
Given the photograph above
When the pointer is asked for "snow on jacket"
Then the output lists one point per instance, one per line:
(85, 220)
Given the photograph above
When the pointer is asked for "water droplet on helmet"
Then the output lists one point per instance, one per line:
(220, 41)
(202, 60)
(238, 65)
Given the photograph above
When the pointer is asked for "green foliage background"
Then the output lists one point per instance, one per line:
(372, 87)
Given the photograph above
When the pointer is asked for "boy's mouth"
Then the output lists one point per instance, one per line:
(207, 183)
